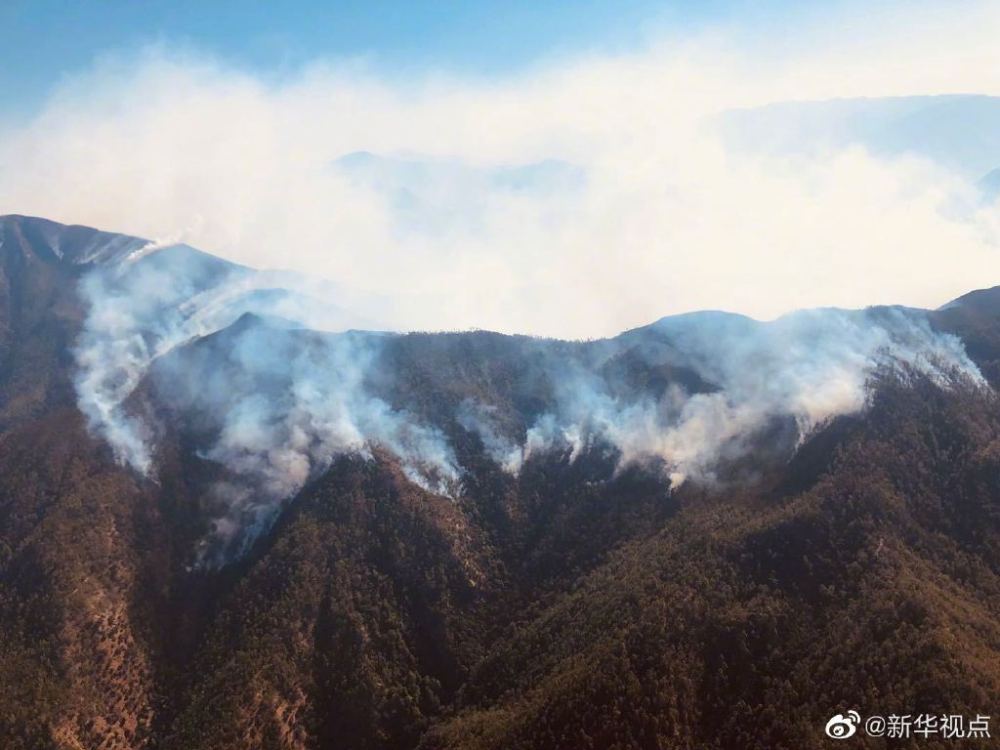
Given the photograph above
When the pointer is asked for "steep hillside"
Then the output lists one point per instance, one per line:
(78, 546)
(747, 619)
(371, 540)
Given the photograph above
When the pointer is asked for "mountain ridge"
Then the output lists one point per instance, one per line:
(116, 252)
(579, 601)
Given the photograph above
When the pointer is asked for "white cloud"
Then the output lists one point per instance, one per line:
(662, 219)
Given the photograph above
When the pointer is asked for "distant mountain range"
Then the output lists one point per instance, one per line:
(227, 522)
(960, 132)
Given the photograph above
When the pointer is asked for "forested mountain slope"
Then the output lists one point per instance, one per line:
(479, 575)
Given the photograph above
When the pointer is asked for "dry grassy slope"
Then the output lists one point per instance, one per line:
(68, 571)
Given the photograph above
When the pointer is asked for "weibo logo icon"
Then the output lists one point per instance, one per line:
(841, 727)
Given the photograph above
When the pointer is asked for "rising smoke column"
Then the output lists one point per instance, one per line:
(138, 310)
(275, 401)
(809, 366)
(282, 401)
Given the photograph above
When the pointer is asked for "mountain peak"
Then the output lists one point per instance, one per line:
(71, 244)
(979, 300)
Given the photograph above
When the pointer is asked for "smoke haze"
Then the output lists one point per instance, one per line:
(582, 197)
(239, 364)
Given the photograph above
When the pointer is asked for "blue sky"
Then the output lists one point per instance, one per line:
(45, 40)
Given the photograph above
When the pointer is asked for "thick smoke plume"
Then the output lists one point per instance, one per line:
(257, 369)
(281, 399)
(807, 367)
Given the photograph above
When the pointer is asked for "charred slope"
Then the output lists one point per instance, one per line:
(39, 316)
